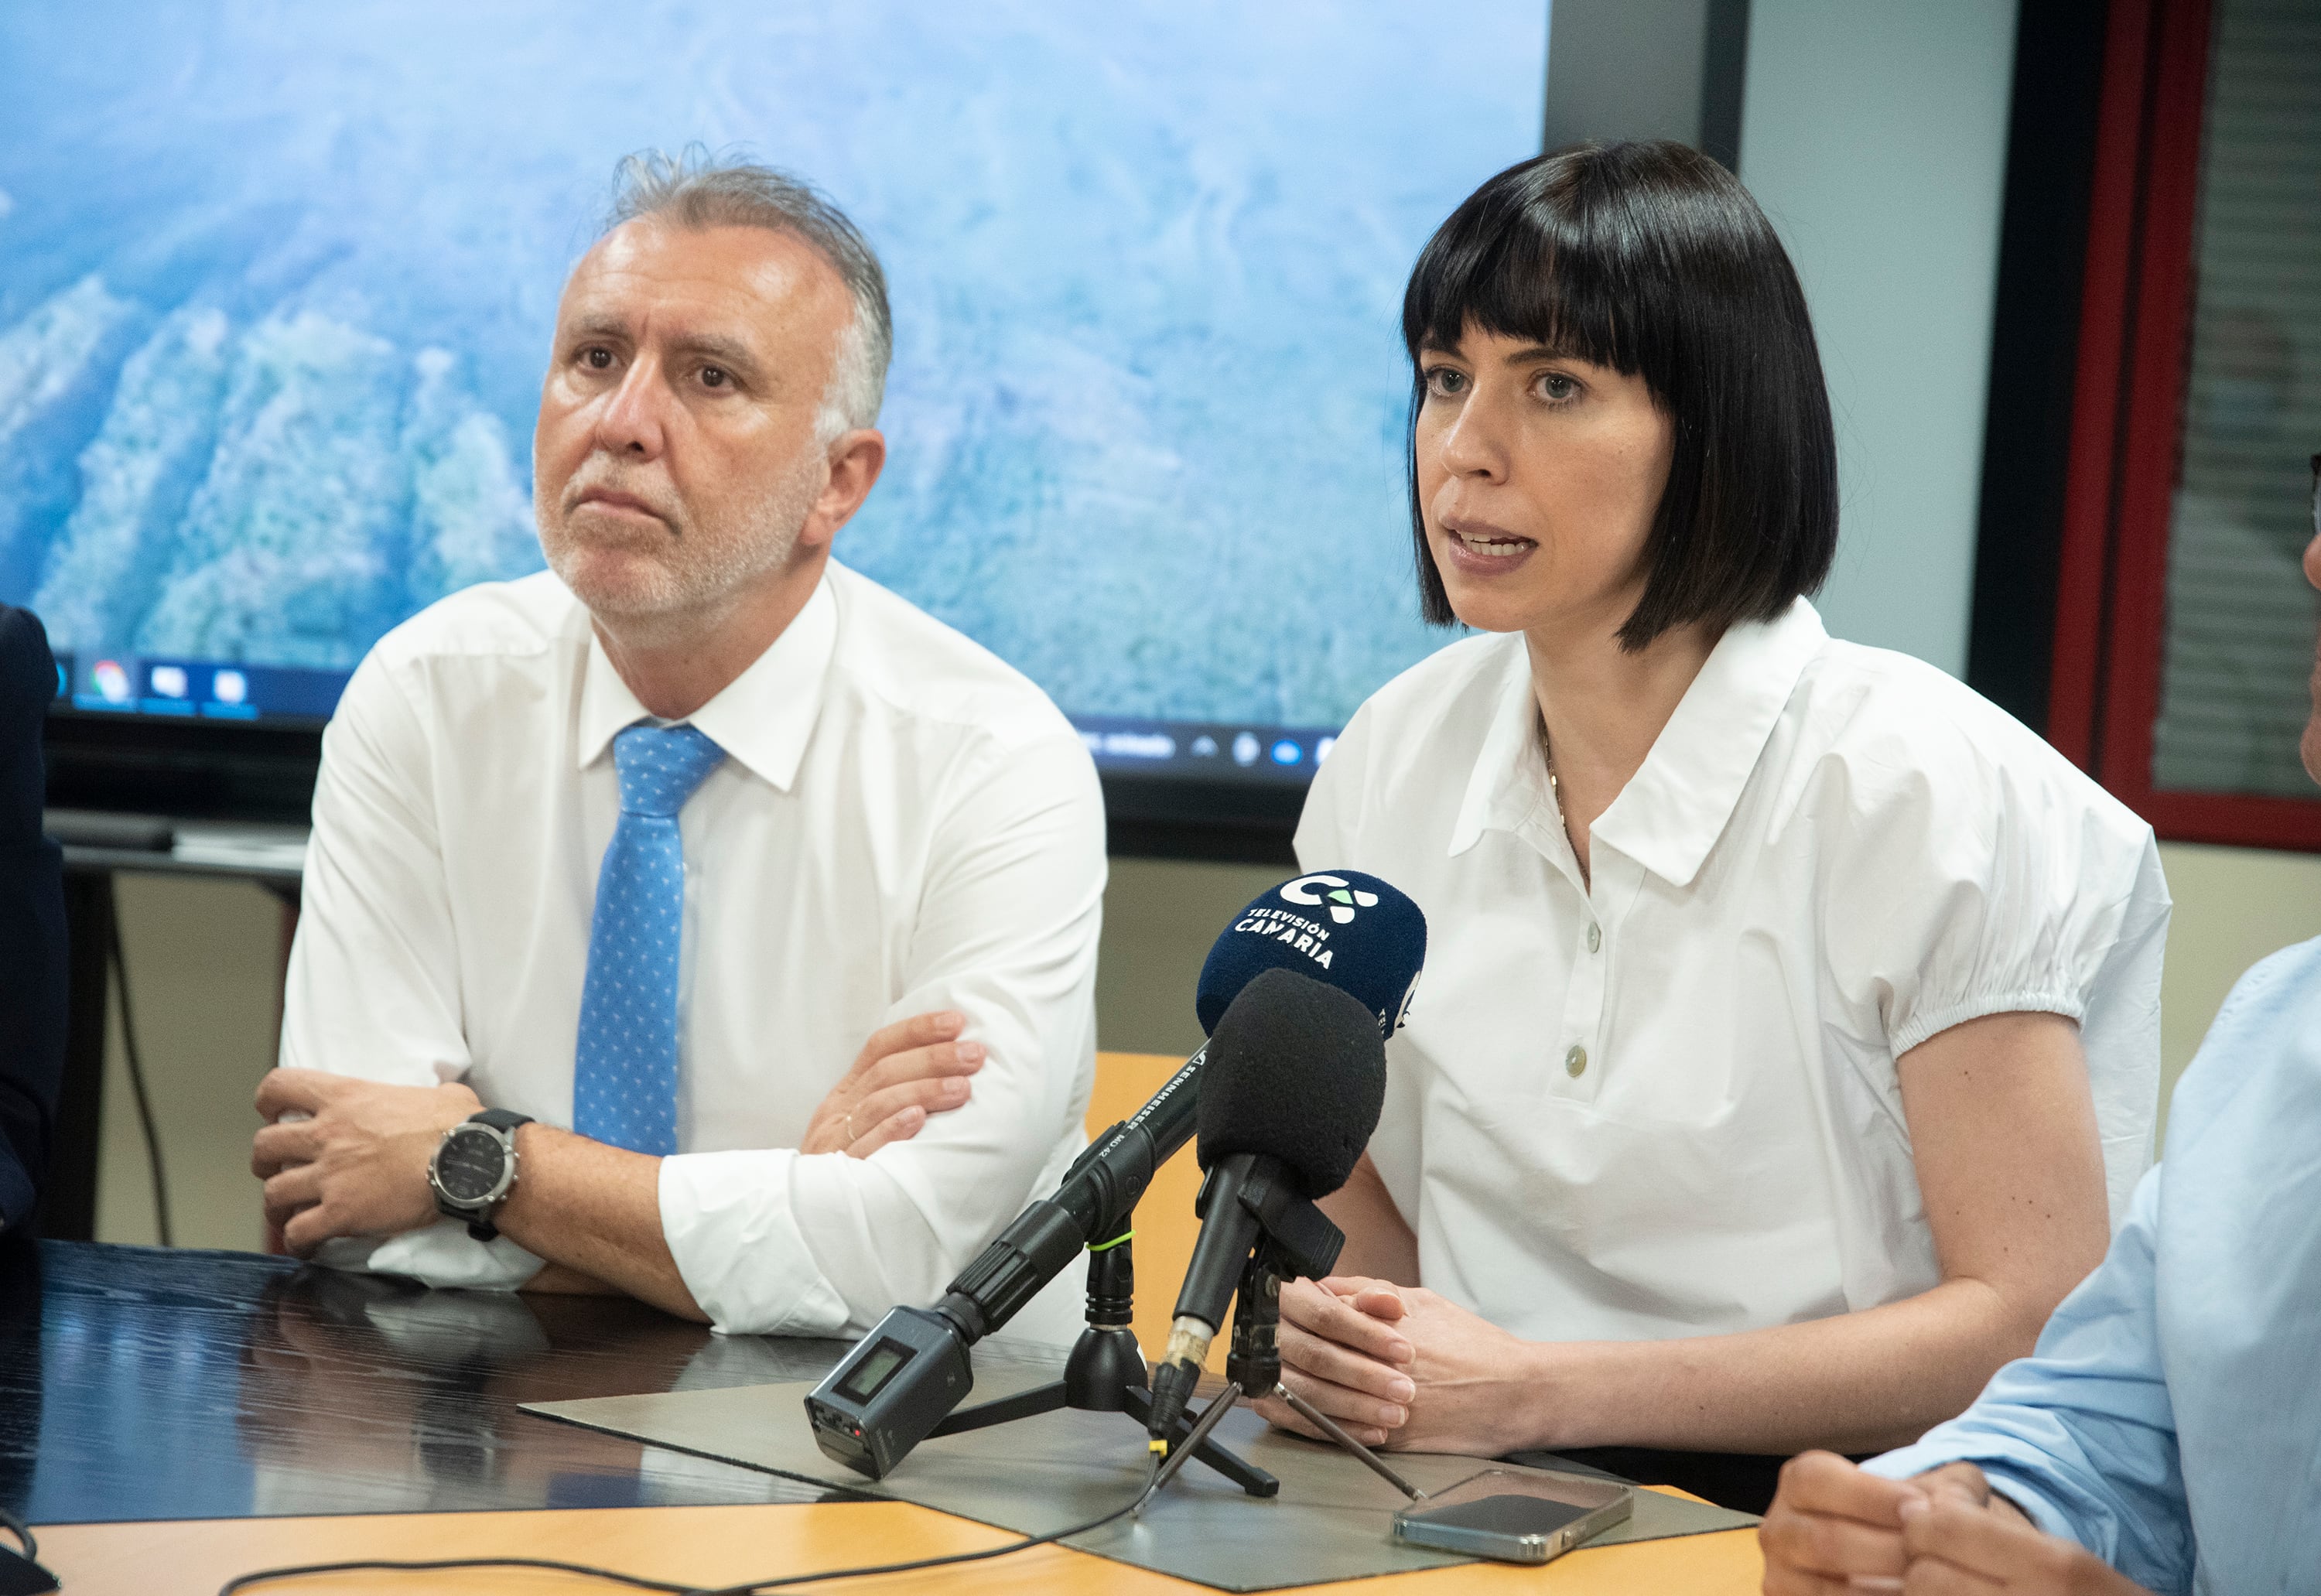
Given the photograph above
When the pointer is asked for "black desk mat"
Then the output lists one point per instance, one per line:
(1331, 1521)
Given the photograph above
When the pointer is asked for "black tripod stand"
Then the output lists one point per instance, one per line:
(1253, 1366)
(1294, 1239)
(1106, 1373)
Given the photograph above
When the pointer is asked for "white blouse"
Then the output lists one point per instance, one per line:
(1668, 1104)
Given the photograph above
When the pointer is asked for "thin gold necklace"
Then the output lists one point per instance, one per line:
(1555, 791)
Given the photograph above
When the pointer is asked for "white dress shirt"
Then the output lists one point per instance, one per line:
(902, 824)
(1666, 1104)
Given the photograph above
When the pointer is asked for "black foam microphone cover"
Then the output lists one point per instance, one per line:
(1297, 1071)
(1340, 926)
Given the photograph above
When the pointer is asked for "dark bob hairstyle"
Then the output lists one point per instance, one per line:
(1653, 259)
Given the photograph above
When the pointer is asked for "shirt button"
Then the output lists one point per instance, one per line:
(1575, 1061)
(1595, 937)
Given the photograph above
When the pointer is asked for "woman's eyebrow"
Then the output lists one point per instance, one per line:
(1536, 351)
(1521, 356)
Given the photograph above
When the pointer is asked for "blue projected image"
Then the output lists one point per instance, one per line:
(277, 283)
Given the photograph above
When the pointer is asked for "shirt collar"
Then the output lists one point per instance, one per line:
(1674, 809)
(1505, 788)
(762, 718)
(1676, 805)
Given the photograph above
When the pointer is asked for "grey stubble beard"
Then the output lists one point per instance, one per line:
(694, 579)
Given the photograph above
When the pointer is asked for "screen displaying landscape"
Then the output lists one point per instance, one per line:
(276, 282)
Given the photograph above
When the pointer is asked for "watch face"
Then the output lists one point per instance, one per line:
(469, 1164)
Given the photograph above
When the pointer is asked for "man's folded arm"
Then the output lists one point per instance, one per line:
(1006, 934)
(763, 1240)
(373, 988)
(2081, 1435)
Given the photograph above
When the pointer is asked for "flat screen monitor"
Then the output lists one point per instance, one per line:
(278, 281)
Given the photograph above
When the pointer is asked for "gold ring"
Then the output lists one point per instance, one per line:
(851, 1138)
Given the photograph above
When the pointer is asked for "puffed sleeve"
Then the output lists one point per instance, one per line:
(1972, 871)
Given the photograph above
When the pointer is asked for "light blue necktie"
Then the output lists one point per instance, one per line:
(624, 1076)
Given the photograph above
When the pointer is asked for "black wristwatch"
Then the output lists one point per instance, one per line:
(474, 1168)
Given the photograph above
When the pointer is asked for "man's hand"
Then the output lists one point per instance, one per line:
(1401, 1366)
(1835, 1528)
(1832, 1525)
(1962, 1539)
(913, 1068)
(358, 1164)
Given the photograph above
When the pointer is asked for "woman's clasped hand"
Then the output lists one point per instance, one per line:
(1401, 1366)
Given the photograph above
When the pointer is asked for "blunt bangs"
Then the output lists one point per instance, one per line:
(1510, 264)
(1652, 260)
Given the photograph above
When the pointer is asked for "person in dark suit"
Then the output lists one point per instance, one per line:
(32, 970)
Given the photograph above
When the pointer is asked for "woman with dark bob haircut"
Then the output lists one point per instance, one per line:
(1789, 1024)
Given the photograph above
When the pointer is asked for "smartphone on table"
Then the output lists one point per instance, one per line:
(1515, 1517)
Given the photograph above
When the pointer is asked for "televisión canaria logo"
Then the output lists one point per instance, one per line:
(1342, 898)
(1308, 937)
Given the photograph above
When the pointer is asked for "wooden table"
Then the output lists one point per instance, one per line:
(713, 1545)
(169, 1420)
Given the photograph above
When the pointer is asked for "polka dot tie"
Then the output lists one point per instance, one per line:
(624, 1077)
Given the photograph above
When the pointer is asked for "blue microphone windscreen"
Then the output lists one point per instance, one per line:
(1349, 930)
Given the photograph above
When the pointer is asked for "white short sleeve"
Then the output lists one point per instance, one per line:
(1985, 876)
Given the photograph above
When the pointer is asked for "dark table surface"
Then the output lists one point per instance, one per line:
(138, 1382)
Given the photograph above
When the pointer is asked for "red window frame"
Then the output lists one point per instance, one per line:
(2135, 323)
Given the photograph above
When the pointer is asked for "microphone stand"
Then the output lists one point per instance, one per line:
(1254, 1365)
(1106, 1374)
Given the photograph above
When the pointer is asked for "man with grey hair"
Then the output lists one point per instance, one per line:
(616, 867)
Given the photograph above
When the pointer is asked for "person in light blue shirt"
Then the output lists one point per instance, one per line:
(2166, 1434)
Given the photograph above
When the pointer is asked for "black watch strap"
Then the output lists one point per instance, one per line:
(500, 1118)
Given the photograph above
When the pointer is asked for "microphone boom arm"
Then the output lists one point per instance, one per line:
(1091, 1205)
(906, 1377)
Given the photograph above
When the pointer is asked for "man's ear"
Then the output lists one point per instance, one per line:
(856, 458)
